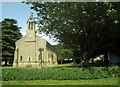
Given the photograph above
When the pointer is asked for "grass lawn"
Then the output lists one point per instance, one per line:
(104, 81)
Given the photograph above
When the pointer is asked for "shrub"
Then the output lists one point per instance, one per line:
(75, 73)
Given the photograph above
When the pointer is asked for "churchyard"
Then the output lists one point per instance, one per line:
(62, 75)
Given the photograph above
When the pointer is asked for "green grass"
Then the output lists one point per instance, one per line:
(54, 76)
(104, 81)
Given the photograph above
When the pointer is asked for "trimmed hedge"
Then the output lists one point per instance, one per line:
(58, 73)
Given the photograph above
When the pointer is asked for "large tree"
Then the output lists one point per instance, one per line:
(10, 33)
(90, 29)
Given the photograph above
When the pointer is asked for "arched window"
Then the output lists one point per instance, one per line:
(29, 59)
(31, 25)
(52, 57)
(20, 58)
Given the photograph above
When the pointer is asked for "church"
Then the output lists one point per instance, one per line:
(33, 51)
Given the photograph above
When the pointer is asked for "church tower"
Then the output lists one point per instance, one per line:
(30, 32)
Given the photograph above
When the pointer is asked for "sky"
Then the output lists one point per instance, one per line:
(20, 12)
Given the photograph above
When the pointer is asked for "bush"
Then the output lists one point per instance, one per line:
(58, 73)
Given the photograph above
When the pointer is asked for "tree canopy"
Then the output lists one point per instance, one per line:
(90, 29)
(10, 33)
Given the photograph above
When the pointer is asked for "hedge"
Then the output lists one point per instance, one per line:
(64, 73)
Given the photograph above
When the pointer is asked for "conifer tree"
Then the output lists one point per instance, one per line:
(10, 33)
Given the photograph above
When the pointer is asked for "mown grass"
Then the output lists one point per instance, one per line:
(103, 81)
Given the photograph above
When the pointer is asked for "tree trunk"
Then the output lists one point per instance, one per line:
(86, 60)
(106, 62)
(68, 60)
(92, 61)
(86, 63)
(6, 62)
(61, 61)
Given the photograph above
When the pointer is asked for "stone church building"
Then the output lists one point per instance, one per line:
(33, 51)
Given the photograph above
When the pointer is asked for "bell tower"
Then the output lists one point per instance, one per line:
(31, 25)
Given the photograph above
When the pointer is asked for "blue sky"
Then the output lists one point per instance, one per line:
(20, 12)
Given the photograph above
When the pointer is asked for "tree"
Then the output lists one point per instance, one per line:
(84, 27)
(0, 44)
(10, 33)
(63, 53)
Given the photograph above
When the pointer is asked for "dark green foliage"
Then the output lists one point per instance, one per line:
(10, 34)
(58, 73)
(90, 29)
